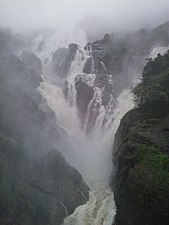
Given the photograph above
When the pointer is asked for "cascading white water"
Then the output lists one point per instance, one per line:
(92, 155)
(101, 209)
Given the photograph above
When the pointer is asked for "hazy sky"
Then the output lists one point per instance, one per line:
(23, 15)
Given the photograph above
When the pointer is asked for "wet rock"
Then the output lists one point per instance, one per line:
(62, 60)
(85, 94)
(104, 81)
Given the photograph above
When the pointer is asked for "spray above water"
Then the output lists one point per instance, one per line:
(91, 145)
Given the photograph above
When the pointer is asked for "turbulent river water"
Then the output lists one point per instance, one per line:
(91, 154)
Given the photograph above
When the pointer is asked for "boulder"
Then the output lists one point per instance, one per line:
(62, 60)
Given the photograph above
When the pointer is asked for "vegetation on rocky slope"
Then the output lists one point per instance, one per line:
(142, 151)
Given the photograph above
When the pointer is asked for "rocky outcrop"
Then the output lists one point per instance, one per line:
(85, 94)
(44, 193)
(63, 192)
(62, 60)
(89, 66)
(141, 181)
(32, 61)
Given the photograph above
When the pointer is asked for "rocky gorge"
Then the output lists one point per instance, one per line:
(59, 114)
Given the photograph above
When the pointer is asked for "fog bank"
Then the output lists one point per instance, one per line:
(25, 15)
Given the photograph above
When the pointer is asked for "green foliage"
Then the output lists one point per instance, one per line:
(152, 174)
(152, 93)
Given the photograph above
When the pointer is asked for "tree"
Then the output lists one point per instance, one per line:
(152, 93)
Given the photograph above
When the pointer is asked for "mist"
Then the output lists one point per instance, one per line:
(26, 15)
(71, 130)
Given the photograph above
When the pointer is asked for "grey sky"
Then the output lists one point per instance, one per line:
(27, 14)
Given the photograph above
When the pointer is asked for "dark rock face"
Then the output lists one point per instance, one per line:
(73, 48)
(43, 194)
(59, 61)
(33, 62)
(62, 60)
(84, 96)
(89, 66)
(141, 180)
(64, 189)
(104, 81)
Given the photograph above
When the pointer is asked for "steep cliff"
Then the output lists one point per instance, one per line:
(141, 151)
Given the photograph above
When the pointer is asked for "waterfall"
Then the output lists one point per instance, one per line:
(91, 145)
